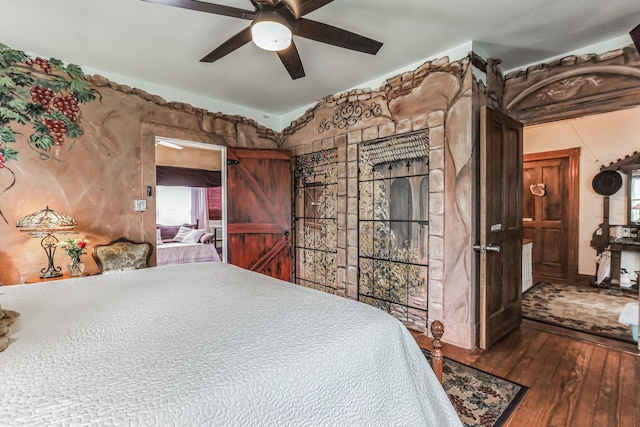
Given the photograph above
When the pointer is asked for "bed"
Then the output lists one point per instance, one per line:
(209, 344)
(178, 253)
(178, 244)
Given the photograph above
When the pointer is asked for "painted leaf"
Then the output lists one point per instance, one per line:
(7, 134)
(74, 130)
(9, 154)
(7, 113)
(22, 79)
(17, 104)
(6, 81)
(75, 72)
(43, 142)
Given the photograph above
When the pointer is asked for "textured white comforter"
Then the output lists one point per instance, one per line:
(209, 344)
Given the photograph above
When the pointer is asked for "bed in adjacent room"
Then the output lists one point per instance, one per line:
(209, 344)
(179, 244)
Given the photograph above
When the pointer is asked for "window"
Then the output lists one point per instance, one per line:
(393, 227)
(173, 205)
(316, 221)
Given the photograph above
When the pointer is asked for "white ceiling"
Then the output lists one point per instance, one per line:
(158, 46)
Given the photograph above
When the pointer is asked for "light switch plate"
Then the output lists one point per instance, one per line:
(139, 205)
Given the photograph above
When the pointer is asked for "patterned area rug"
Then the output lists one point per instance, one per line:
(480, 399)
(592, 310)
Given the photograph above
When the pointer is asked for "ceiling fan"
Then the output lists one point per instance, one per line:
(273, 22)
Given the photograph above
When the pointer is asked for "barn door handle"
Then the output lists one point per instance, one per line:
(491, 248)
(286, 234)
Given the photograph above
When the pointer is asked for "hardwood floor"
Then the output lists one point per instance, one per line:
(572, 382)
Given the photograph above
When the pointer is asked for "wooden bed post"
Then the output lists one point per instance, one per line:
(437, 330)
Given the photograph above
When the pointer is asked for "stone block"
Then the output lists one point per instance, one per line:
(404, 126)
(436, 269)
(354, 137)
(352, 205)
(352, 221)
(436, 180)
(370, 133)
(436, 118)
(353, 169)
(420, 122)
(352, 153)
(342, 170)
(341, 258)
(436, 249)
(436, 158)
(352, 238)
(436, 225)
(436, 204)
(387, 129)
(353, 187)
(436, 137)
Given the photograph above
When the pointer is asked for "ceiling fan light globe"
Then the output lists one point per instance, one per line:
(270, 35)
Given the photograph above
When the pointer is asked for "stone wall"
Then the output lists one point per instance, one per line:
(436, 96)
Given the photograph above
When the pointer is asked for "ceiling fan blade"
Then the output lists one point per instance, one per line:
(335, 36)
(291, 61)
(202, 6)
(239, 40)
(635, 36)
(302, 7)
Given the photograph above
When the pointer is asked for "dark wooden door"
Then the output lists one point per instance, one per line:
(550, 213)
(259, 211)
(500, 226)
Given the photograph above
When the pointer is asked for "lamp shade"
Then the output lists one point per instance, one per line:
(46, 220)
(270, 34)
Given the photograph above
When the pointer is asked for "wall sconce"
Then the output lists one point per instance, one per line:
(43, 224)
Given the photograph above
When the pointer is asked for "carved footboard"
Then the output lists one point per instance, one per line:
(437, 330)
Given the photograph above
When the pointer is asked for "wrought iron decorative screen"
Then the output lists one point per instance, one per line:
(393, 226)
(316, 224)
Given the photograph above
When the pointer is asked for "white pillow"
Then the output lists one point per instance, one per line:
(194, 236)
(158, 237)
(182, 233)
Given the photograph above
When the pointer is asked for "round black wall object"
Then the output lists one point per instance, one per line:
(607, 183)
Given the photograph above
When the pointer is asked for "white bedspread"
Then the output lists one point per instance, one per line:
(180, 253)
(209, 344)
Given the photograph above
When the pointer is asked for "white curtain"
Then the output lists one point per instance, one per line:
(200, 207)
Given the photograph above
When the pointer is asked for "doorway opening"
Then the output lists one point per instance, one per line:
(191, 194)
(599, 140)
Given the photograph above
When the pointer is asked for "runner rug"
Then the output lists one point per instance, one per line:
(591, 310)
(480, 399)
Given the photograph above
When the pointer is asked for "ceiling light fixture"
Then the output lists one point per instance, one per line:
(270, 34)
(168, 144)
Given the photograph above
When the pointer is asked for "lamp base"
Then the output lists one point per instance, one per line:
(50, 274)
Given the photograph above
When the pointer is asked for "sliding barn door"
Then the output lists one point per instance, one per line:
(259, 211)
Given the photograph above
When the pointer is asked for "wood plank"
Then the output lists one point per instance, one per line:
(584, 412)
(567, 383)
(534, 410)
(607, 402)
(628, 388)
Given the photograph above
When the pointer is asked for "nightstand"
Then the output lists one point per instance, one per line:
(38, 279)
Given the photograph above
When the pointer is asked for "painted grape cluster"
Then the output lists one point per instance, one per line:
(42, 63)
(45, 94)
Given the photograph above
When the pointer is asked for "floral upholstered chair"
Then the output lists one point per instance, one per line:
(122, 254)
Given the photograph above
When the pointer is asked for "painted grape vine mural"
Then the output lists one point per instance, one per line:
(44, 95)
